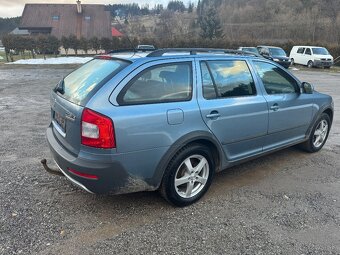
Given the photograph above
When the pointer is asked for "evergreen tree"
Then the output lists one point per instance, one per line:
(106, 44)
(9, 44)
(199, 8)
(84, 44)
(94, 44)
(190, 7)
(74, 43)
(210, 25)
(65, 42)
(42, 45)
(53, 44)
(176, 6)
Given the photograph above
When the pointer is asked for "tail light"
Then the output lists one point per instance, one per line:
(97, 130)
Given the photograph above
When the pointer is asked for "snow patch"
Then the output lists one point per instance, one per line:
(52, 61)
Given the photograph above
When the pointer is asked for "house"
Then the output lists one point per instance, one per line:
(18, 31)
(82, 20)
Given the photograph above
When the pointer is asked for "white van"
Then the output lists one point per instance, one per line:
(311, 56)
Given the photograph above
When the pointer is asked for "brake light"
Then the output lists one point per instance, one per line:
(97, 130)
(105, 57)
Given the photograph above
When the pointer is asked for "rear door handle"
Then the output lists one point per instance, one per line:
(213, 115)
(275, 107)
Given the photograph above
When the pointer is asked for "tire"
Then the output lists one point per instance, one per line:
(182, 184)
(310, 64)
(292, 62)
(327, 67)
(319, 134)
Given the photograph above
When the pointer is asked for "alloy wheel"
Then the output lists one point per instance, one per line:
(320, 133)
(191, 176)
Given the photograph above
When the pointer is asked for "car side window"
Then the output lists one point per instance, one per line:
(301, 50)
(226, 78)
(160, 83)
(274, 79)
(209, 88)
(308, 51)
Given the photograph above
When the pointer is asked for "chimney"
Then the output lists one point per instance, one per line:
(79, 10)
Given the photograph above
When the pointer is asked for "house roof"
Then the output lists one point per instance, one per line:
(115, 32)
(63, 20)
(18, 31)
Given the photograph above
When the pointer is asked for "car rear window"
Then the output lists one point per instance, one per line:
(86, 80)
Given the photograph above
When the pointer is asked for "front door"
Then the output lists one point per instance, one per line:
(232, 106)
(307, 56)
(290, 112)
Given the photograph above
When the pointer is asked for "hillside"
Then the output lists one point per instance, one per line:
(8, 24)
(245, 20)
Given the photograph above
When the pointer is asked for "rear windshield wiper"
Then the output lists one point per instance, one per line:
(60, 87)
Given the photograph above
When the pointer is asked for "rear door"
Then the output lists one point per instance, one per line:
(71, 95)
(232, 106)
(290, 111)
(299, 56)
(155, 106)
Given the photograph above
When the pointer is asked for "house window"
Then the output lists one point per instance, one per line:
(55, 17)
(87, 17)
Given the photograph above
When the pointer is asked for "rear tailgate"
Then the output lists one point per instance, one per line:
(71, 95)
(66, 121)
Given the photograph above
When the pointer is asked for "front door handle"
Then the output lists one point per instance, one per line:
(213, 115)
(275, 107)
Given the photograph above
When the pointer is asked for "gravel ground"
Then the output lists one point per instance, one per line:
(284, 203)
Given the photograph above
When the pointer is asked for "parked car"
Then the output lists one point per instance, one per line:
(249, 49)
(145, 47)
(311, 56)
(170, 119)
(275, 54)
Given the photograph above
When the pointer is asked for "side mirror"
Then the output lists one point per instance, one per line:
(307, 88)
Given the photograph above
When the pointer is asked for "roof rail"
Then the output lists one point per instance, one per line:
(194, 51)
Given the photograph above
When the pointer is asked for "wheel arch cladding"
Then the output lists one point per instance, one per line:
(329, 112)
(204, 138)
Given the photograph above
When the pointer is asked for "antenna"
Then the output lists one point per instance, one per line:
(127, 36)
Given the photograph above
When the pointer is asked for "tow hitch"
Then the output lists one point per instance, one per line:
(50, 170)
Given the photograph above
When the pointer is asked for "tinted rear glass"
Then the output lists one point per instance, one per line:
(87, 79)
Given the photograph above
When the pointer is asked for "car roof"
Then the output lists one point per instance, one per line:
(268, 46)
(147, 56)
(308, 46)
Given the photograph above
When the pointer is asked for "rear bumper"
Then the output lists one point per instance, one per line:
(113, 178)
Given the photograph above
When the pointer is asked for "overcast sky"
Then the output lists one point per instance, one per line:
(13, 8)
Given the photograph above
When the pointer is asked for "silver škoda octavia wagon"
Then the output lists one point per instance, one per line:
(169, 119)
